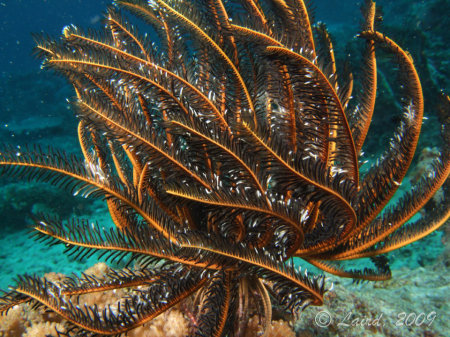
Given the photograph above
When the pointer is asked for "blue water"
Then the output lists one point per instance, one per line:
(20, 18)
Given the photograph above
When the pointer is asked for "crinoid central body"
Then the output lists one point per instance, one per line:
(224, 144)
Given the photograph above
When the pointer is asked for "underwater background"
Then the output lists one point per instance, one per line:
(33, 109)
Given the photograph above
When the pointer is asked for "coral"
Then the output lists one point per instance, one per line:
(386, 298)
(277, 328)
(42, 329)
(13, 325)
(21, 321)
(98, 270)
(425, 164)
(169, 324)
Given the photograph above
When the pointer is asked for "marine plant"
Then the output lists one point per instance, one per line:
(224, 145)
